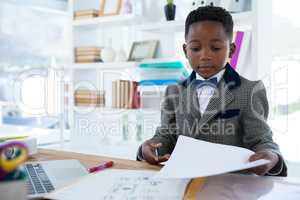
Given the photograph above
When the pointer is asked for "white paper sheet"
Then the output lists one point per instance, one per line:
(195, 158)
(115, 184)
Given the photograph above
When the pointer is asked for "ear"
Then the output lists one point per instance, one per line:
(184, 49)
(232, 49)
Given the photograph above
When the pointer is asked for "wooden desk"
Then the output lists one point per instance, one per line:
(91, 160)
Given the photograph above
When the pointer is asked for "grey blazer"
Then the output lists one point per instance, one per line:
(236, 115)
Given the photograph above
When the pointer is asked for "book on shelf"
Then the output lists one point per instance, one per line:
(88, 57)
(135, 98)
(175, 64)
(89, 93)
(85, 14)
(125, 94)
(162, 69)
(118, 94)
(152, 96)
(87, 53)
(158, 82)
(87, 61)
(89, 98)
(242, 43)
(122, 94)
(87, 48)
(162, 74)
(83, 59)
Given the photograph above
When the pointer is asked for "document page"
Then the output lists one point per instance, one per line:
(113, 184)
(193, 158)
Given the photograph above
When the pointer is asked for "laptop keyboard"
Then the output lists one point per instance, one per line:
(38, 181)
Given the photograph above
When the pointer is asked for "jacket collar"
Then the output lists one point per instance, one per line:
(231, 78)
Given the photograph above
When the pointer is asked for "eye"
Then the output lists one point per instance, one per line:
(195, 49)
(215, 48)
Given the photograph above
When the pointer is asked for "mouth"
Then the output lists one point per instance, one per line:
(204, 67)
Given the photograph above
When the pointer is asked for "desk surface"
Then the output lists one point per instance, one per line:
(192, 188)
(91, 160)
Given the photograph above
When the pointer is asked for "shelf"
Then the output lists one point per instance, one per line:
(242, 21)
(109, 110)
(112, 21)
(163, 26)
(119, 65)
(105, 66)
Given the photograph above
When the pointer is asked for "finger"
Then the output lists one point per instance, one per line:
(256, 156)
(164, 158)
(261, 170)
(155, 145)
(150, 156)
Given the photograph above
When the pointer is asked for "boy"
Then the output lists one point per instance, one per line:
(215, 103)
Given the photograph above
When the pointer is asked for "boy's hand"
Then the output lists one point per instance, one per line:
(149, 153)
(267, 155)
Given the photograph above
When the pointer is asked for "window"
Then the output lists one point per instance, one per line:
(285, 95)
(32, 36)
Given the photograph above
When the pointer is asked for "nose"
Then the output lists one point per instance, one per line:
(205, 54)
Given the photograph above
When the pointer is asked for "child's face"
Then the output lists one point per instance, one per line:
(207, 48)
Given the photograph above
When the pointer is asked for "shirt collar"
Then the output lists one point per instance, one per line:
(218, 75)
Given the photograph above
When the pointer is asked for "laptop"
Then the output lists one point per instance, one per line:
(46, 176)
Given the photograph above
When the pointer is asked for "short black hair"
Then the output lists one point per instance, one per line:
(210, 13)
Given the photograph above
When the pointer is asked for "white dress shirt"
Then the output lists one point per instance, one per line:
(206, 92)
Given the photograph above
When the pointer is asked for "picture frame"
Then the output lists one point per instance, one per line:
(110, 7)
(143, 50)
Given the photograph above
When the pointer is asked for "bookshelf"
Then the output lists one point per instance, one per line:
(124, 29)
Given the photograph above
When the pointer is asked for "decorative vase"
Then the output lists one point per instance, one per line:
(170, 11)
(108, 54)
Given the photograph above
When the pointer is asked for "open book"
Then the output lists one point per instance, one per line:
(191, 158)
